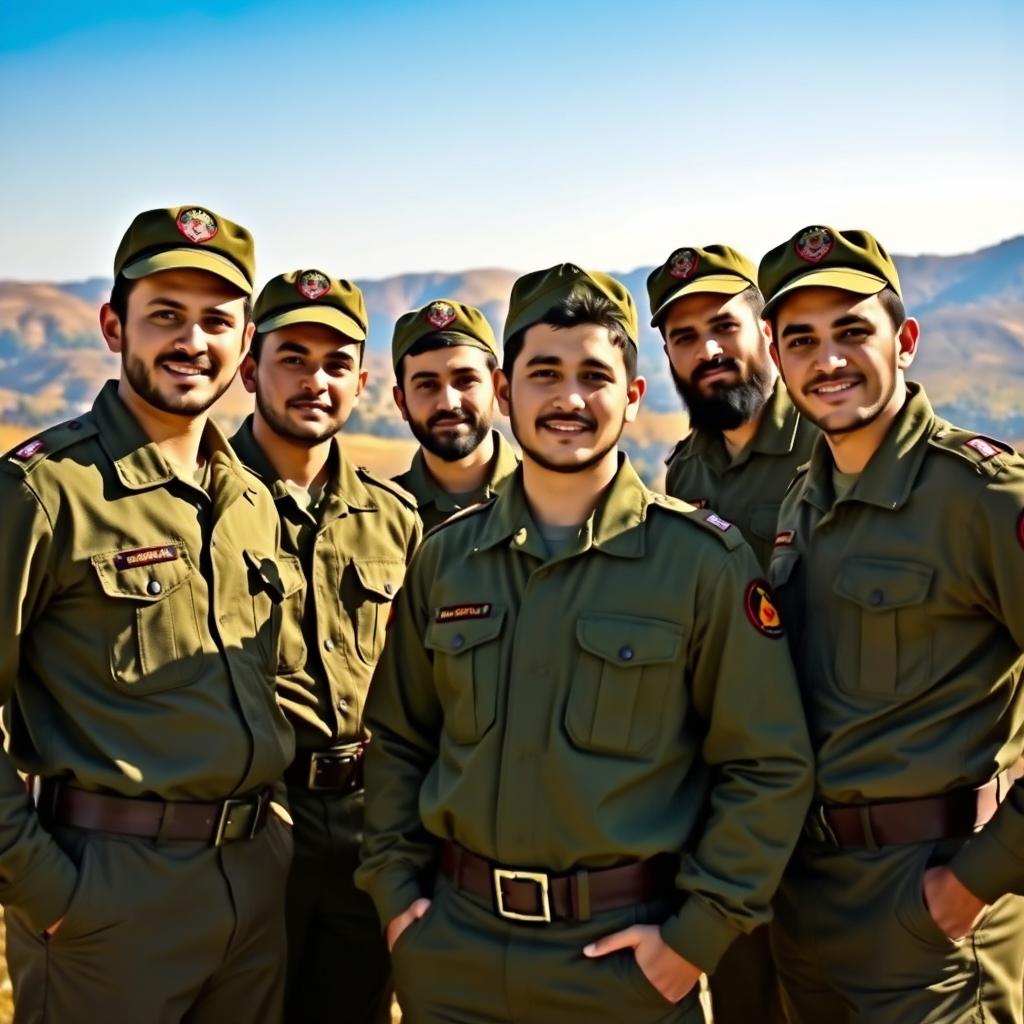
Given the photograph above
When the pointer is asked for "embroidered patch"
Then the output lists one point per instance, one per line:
(458, 612)
(145, 556)
(1020, 529)
(313, 284)
(26, 451)
(760, 608)
(196, 224)
(716, 520)
(785, 538)
(682, 264)
(697, 502)
(440, 314)
(814, 244)
(986, 449)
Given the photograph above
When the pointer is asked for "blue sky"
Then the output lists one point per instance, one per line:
(378, 138)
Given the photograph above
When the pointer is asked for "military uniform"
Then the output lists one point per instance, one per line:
(904, 602)
(456, 324)
(549, 731)
(352, 548)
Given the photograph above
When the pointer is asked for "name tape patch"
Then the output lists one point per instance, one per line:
(459, 612)
(145, 556)
(26, 451)
(716, 520)
(785, 538)
(986, 449)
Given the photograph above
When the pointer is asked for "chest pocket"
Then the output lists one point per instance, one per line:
(623, 673)
(291, 651)
(379, 580)
(467, 671)
(883, 639)
(151, 625)
(266, 590)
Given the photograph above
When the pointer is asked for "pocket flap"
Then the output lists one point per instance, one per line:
(292, 577)
(267, 573)
(879, 585)
(143, 574)
(463, 634)
(626, 641)
(380, 576)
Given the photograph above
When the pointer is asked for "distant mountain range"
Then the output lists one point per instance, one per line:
(971, 307)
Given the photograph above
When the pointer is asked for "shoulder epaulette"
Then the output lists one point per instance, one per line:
(986, 454)
(727, 532)
(31, 452)
(798, 474)
(463, 513)
(677, 448)
(388, 485)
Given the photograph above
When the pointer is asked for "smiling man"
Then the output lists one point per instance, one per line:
(575, 799)
(444, 355)
(146, 880)
(899, 566)
(351, 535)
(746, 438)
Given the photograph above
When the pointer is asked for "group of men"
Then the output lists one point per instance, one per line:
(609, 731)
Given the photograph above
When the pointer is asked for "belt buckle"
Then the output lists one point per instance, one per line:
(538, 878)
(821, 819)
(255, 804)
(341, 757)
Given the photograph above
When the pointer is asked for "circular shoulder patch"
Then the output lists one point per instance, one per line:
(313, 284)
(759, 605)
(682, 264)
(814, 244)
(196, 224)
(440, 314)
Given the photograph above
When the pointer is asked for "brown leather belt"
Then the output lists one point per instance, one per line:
(540, 897)
(339, 769)
(225, 821)
(951, 815)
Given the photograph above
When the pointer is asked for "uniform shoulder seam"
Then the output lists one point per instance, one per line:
(37, 448)
(393, 488)
(727, 533)
(987, 455)
(461, 515)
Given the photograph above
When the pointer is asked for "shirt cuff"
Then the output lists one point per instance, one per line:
(699, 934)
(987, 867)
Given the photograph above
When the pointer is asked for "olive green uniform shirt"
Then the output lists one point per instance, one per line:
(904, 603)
(352, 549)
(747, 490)
(140, 618)
(600, 706)
(435, 503)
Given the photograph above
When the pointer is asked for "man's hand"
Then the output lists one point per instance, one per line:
(665, 969)
(413, 912)
(954, 908)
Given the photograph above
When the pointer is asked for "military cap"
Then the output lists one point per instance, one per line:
(823, 257)
(456, 321)
(189, 238)
(716, 269)
(311, 297)
(534, 294)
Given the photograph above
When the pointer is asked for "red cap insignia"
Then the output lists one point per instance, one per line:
(760, 608)
(313, 284)
(196, 224)
(682, 264)
(440, 314)
(26, 451)
(814, 244)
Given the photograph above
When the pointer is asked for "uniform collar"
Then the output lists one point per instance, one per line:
(611, 528)
(888, 477)
(140, 464)
(420, 481)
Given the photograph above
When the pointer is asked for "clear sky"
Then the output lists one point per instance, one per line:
(376, 138)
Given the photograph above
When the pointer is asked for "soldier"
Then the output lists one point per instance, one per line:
(899, 564)
(444, 357)
(576, 798)
(352, 535)
(746, 438)
(141, 604)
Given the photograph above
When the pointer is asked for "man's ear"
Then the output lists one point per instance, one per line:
(634, 393)
(502, 390)
(110, 327)
(247, 372)
(909, 335)
(399, 396)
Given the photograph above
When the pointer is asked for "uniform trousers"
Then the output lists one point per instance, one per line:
(169, 933)
(854, 940)
(744, 987)
(462, 964)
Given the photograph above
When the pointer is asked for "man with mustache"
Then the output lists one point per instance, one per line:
(746, 438)
(351, 536)
(444, 356)
(589, 763)
(899, 566)
(144, 875)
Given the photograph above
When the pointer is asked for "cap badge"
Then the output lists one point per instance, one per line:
(814, 244)
(440, 314)
(682, 264)
(313, 284)
(196, 224)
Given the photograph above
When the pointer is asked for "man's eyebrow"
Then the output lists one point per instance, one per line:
(163, 300)
(850, 320)
(424, 375)
(293, 346)
(797, 329)
(544, 360)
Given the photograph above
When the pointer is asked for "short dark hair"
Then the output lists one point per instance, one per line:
(431, 343)
(891, 303)
(122, 288)
(584, 307)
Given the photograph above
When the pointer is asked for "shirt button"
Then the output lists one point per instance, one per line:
(342, 704)
(876, 597)
(74, 425)
(388, 589)
(458, 641)
(328, 644)
(153, 587)
(626, 652)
